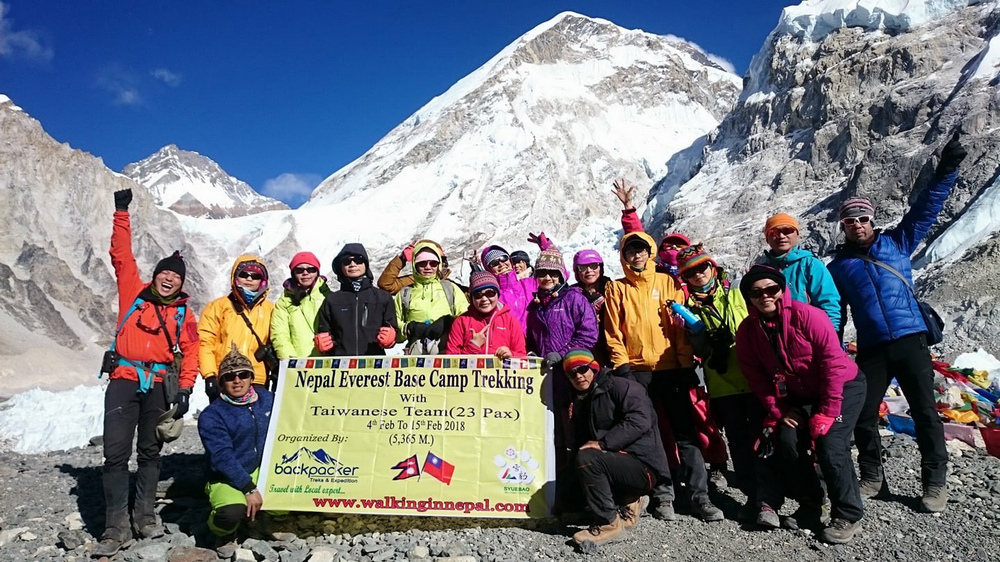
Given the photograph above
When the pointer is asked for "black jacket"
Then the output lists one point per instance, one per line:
(621, 418)
(352, 315)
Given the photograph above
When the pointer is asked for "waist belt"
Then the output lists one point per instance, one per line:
(145, 371)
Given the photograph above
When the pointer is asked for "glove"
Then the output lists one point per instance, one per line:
(623, 371)
(764, 447)
(323, 341)
(437, 328)
(541, 240)
(407, 254)
(819, 425)
(122, 198)
(417, 330)
(212, 388)
(386, 336)
(183, 402)
(552, 359)
(952, 155)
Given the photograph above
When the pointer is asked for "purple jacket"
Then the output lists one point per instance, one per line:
(811, 359)
(561, 323)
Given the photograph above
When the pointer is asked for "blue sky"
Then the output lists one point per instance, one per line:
(282, 94)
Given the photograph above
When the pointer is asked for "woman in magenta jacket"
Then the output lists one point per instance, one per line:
(812, 394)
(488, 327)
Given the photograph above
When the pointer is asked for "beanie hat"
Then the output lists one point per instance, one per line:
(676, 238)
(577, 358)
(426, 254)
(482, 280)
(234, 361)
(174, 262)
(494, 253)
(780, 219)
(303, 258)
(584, 257)
(856, 207)
(757, 273)
(551, 259)
(692, 257)
(520, 255)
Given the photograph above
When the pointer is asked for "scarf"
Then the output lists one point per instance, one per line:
(160, 299)
(245, 400)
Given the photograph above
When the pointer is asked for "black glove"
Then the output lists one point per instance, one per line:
(417, 330)
(183, 401)
(764, 447)
(952, 155)
(212, 388)
(437, 328)
(623, 371)
(122, 198)
(552, 359)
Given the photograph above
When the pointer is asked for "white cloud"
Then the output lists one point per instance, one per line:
(23, 44)
(121, 84)
(721, 62)
(293, 189)
(170, 78)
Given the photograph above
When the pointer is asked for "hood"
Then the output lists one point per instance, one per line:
(237, 265)
(482, 254)
(793, 255)
(650, 269)
(433, 247)
(352, 249)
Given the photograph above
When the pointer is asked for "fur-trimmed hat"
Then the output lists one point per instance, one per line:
(551, 259)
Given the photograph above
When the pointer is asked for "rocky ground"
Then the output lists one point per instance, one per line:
(51, 508)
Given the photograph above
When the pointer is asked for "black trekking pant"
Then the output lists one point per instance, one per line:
(126, 412)
(740, 416)
(908, 360)
(790, 471)
(611, 479)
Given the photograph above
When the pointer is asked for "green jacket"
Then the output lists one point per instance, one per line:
(293, 326)
(426, 300)
(727, 311)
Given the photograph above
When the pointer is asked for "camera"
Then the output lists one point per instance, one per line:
(109, 362)
(267, 356)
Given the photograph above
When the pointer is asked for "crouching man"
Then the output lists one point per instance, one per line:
(619, 456)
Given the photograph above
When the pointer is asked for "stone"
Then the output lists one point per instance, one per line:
(191, 554)
(265, 552)
(458, 558)
(96, 441)
(418, 552)
(227, 551)
(454, 549)
(297, 555)
(74, 521)
(244, 555)
(384, 555)
(9, 534)
(284, 537)
(27, 536)
(155, 551)
(322, 555)
(71, 539)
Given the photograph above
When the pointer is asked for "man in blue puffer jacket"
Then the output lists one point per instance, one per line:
(891, 331)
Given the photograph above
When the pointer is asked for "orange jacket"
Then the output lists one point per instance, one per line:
(638, 321)
(142, 338)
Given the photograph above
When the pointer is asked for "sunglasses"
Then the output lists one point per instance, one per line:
(759, 292)
(242, 375)
(347, 260)
(304, 270)
(582, 369)
(427, 263)
(585, 266)
(696, 270)
(498, 261)
(488, 293)
(863, 219)
(250, 275)
(782, 230)
(539, 273)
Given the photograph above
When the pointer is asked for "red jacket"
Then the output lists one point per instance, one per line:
(503, 330)
(141, 338)
(811, 358)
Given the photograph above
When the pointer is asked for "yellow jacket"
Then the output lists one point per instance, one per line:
(220, 326)
(637, 317)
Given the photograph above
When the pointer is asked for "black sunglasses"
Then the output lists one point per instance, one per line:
(696, 270)
(304, 270)
(230, 377)
(488, 293)
(352, 259)
(758, 292)
(579, 370)
(498, 261)
(249, 275)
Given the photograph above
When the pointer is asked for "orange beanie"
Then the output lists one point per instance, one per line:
(781, 219)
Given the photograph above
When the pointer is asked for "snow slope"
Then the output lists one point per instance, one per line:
(815, 19)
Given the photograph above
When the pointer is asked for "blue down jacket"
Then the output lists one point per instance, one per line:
(883, 306)
(233, 437)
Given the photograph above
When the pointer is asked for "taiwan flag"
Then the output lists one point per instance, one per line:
(408, 468)
(439, 468)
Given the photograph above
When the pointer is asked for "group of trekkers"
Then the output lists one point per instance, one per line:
(634, 420)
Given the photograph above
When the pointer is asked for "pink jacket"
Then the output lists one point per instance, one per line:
(811, 358)
(515, 293)
(502, 331)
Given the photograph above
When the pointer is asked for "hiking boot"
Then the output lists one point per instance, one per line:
(934, 500)
(106, 548)
(767, 517)
(873, 488)
(717, 478)
(630, 513)
(664, 511)
(703, 509)
(840, 531)
(598, 534)
(809, 515)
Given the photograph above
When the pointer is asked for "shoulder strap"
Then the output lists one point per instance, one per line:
(166, 333)
(887, 267)
(404, 297)
(252, 331)
(449, 293)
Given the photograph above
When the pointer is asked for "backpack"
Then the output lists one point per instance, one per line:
(449, 293)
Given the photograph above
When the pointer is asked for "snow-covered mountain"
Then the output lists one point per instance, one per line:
(855, 97)
(191, 184)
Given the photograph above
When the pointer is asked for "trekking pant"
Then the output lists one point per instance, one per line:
(790, 472)
(673, 392)
(908, 360)
(229, 506)
(611, 479)
(739, 415)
